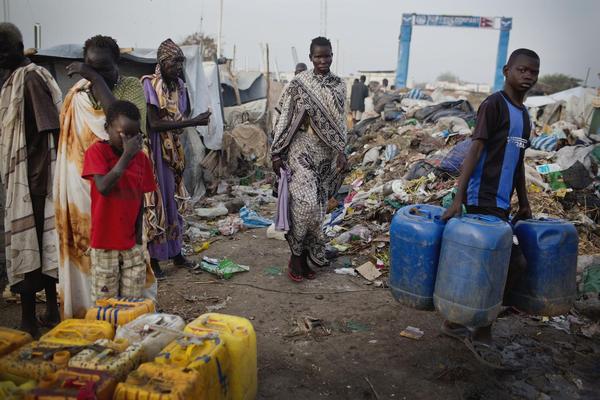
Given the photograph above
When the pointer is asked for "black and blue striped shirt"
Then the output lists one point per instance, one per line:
(505, 128)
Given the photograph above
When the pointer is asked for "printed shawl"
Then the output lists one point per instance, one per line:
(319, 97)
(22, 250)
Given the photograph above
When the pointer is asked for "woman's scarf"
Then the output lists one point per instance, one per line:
(319, 97)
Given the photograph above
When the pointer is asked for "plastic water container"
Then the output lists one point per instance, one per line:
(209, 357)
(73, 383)
(152, 381)
(119, 311)
(10, 391)
(548, 286)
(118, 358)
(146, 331)
(78, 332)
(35, 360)
(415, 242)
(240, 343)
(472, 269)
(11, 339)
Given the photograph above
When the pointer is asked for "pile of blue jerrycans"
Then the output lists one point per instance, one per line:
(460, 267)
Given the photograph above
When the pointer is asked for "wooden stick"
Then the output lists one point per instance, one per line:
(372, 388)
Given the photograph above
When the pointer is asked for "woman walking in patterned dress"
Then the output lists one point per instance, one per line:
(308, 140)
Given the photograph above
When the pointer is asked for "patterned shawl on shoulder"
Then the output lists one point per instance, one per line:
(321, 98)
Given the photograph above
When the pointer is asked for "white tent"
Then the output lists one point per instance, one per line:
(565, 95)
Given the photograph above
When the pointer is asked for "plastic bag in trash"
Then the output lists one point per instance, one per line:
(358, 232)
(454, 159)
(419, 169)
(391, 151)
(252, 219)
(212, 212)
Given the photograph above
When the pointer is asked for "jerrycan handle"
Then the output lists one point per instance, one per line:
(419, 212)
(486, 218)
(216, 323)
(68, 331)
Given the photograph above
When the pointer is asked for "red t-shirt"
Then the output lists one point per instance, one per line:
(114, 216)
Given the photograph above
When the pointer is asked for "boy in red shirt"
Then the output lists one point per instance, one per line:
(119, 174)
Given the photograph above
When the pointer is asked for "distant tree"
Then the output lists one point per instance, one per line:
(448, 77)
(553, 83)
(208, 43)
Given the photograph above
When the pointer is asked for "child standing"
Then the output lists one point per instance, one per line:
(120, 174)
(494, 168)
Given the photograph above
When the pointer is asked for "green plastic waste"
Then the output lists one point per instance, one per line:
(393, 203)
(555, 179)
(449, 198)
(224, 268)
(591, 279)
(596, 152)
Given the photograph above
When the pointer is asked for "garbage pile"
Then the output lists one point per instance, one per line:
(416, 156)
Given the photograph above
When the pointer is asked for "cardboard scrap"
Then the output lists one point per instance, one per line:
(369, 271)
(412, 333)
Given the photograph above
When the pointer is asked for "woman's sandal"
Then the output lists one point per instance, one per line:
(309, 273)
(293, 276)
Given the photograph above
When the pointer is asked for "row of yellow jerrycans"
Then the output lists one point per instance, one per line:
(215, 358)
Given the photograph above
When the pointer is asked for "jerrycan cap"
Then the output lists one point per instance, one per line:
(425, 211)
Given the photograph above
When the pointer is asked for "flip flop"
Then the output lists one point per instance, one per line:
(294, 277)
(460, 333)
(481, 351)
(310, 274)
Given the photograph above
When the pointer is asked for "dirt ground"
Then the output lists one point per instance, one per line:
(364, 356)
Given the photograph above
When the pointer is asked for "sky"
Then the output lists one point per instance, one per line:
(563, 32)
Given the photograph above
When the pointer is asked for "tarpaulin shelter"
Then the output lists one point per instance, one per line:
(201, 78)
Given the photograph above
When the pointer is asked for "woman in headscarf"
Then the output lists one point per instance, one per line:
(82, 124)
(308, 140)
(168, 109)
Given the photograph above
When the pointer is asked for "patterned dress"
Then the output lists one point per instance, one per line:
(166, 238)
(309, 134)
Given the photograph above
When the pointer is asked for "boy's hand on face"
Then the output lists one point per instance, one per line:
(131, 145)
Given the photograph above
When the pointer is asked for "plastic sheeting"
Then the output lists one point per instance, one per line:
(455, 158)
(201, 79)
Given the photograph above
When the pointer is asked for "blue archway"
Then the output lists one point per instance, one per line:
(502, 24)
